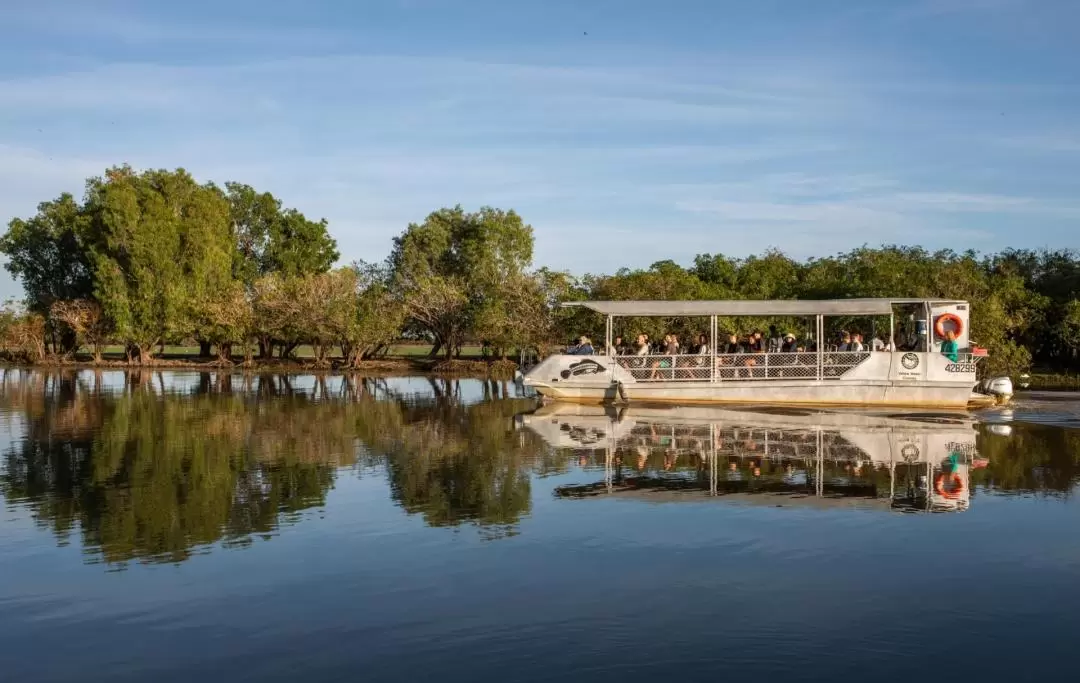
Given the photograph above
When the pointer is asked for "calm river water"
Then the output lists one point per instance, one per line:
(185, 526)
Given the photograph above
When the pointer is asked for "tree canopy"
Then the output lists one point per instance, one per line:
(153, 257)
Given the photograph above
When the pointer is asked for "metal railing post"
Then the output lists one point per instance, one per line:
(820, 347)
(712, 348)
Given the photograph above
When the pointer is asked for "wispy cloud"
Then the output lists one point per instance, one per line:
(644, 145)
(942, 7)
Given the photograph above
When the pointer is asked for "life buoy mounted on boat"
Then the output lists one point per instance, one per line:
(949, 486)
(939, 324)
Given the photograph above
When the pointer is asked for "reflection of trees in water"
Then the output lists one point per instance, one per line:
(451, 462)
(1033, 458)
(144, 473)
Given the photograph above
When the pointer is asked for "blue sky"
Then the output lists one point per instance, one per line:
(624, 131)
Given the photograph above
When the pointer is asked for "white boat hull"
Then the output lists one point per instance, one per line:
(881, 380)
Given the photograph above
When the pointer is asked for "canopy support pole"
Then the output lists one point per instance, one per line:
(820, 319)
(929, 334)
(712, 348)
(607, 341)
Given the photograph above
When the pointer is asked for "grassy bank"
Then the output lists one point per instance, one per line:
(403, 359)
(1053, 381)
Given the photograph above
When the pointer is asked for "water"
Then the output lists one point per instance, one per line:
(185, 526)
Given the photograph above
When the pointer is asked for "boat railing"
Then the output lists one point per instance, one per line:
(742, 366)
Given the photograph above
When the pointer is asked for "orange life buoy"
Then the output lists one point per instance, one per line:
(957, 486)
(939, 324)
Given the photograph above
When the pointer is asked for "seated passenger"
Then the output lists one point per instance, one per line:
(702, 348)
(789, 343)
(641, 346)
(949, 347)
(755, 344)
(733, 344)
(775, 342)
(584, 348)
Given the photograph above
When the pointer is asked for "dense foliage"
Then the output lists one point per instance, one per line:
(154, 257)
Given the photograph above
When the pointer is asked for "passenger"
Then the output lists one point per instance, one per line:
(733, 344)
(584, 348)
(789, 343)
(949, 347)
(757, 344)
(877, 344)
(641, 345)
(752, 346)
(671, 343)
(668, 347)
(856, 343)
(775, 342)
(702, 348)
(845, 342)
(617, 347)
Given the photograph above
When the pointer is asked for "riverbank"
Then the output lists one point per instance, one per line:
(391, 365)
(1052, 381)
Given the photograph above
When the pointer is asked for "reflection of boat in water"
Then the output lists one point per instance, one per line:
(815, 458)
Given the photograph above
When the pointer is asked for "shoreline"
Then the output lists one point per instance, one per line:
(480, 369)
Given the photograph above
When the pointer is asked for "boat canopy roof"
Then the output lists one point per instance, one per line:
(785, 307)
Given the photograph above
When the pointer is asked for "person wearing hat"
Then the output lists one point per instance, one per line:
(583, 348)
(789, 344)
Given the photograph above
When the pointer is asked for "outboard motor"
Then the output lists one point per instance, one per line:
(1001, 387)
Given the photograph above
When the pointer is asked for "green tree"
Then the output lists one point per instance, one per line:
(447, 268)
(270, 239)
(46, 253)
(159, 243)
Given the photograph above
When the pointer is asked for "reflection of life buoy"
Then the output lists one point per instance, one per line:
(939, 324)
(909, 452)
(955, 488)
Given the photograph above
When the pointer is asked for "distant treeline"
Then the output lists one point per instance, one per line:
(154, 257)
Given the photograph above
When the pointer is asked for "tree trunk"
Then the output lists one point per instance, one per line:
(435, 348)
(204, 349)
(224, 352)
(146, 355)
(144, 352)
(69, 343)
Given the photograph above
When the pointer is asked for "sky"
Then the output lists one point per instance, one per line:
(624, 131)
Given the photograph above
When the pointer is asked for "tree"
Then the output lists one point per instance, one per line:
(87, 322)
(515, 315)
(447, 267)
(1068, 329)
(380, 315)
(159, 242)
(226, 317)
(270, 239)
(22, 334)
(47, 254)
(277, 310)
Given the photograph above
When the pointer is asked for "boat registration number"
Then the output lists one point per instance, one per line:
(960, 367)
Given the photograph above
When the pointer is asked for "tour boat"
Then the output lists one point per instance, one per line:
(805, 456)
(917, 375)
